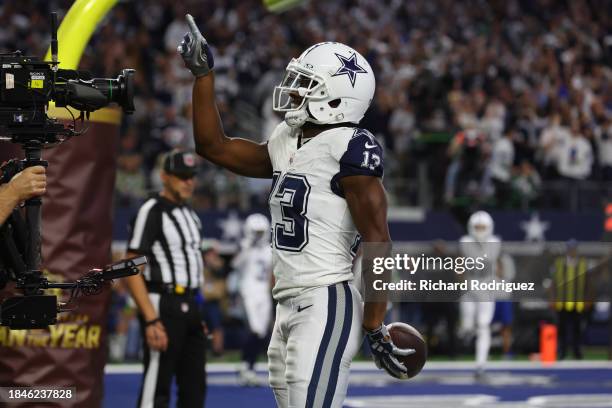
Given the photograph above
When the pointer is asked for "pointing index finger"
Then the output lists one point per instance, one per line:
(192, 25)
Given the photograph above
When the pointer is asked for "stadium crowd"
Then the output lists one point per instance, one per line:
(512, 96)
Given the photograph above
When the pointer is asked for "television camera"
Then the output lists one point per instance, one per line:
(27, 86)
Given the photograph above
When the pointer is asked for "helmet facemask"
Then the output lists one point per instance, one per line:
(299, 87)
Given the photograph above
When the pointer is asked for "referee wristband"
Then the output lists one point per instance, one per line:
(151, 322)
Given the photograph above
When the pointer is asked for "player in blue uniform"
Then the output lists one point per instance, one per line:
(326, 189)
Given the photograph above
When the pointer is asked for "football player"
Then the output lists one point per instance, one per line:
(254, 266)
(477, 309)
(326, 188)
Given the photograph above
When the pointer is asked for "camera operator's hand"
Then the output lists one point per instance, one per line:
(31, 182)
(195, 50)
(157, 339)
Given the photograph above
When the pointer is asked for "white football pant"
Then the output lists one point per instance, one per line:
(315, 337)
(258, 307)
(476, 317)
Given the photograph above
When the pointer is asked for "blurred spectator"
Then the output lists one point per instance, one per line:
(231, 191)
(131, 181)
(553, 138)
(574, 165)
(494, 119)
(402, 125)
(172, 133)
(576, 156)
(603, 137)
(465, 175)
(500, 168)
(526, 185)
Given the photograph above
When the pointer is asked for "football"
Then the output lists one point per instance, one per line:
(406, 336)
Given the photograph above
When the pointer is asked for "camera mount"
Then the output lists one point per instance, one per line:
(27, 86)
(35, 310)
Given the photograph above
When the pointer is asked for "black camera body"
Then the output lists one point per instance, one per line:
(28, 84)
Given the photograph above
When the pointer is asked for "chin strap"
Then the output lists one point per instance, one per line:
(296, 119)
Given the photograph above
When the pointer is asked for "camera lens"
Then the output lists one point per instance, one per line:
(126, 81)
(119, 90)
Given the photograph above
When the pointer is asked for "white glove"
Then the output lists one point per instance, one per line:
(385, 353)
(195, 50)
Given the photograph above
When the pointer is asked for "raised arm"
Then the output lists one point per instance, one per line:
(241, 156)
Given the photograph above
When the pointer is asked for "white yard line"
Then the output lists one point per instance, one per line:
(214, 368)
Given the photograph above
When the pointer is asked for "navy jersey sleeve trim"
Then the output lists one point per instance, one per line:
(335, 185)
(363, 157)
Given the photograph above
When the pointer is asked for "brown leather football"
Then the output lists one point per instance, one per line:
(406, 336)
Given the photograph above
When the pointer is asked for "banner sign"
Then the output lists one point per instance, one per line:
(76, 237)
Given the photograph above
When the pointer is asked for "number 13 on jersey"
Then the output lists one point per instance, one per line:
(291, 191)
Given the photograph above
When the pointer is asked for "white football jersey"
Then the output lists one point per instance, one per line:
(489, 250)
(313, 234)
(254, 264)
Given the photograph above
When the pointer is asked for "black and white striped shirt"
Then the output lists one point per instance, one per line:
(169, 235)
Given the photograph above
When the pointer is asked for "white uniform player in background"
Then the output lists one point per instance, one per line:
(253, 264)
(326, 188)
(477, 308)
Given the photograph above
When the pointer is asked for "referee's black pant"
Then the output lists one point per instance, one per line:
(571, 324)
(184, 358)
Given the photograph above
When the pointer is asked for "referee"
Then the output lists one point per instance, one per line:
(167, 231)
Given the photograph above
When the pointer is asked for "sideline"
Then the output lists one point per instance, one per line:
(219, 368)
